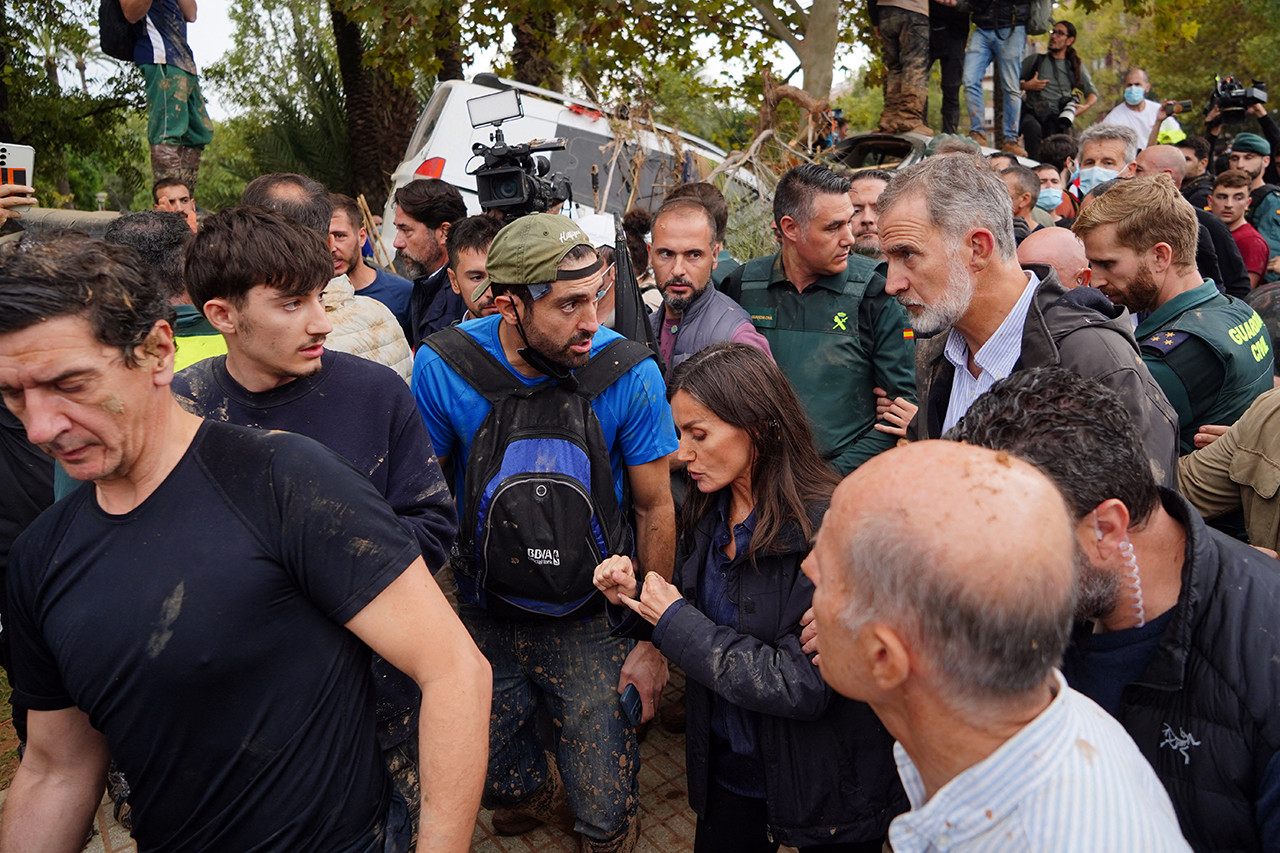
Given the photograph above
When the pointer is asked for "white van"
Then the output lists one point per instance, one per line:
(441, 148)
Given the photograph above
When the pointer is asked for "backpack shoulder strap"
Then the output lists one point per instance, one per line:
(475, 364)
(609, 365)
(1035, 66)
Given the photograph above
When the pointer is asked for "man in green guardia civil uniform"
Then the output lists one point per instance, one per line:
(832, 328)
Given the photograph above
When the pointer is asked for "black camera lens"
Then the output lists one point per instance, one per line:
(508, 188)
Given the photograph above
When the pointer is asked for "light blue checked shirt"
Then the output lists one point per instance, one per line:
(995, 358)
(1072, 780)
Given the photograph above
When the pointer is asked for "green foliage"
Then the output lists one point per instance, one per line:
(75, 133)
(282, 74)
(261, 67)
(683, 99)
(306, 132)
(123, 172)
(228, 164)
(1181, 44)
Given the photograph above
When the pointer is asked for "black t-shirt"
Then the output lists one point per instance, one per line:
(363, 412)
(203, 634)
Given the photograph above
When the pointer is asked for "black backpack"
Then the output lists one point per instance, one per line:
(116, 34)
(538, 511)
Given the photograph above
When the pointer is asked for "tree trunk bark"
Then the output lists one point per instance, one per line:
(821, 37)
(535, 38)
(446, 35)
(6, 130)
(381, 114)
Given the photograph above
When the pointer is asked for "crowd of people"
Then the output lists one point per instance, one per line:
(958, 510)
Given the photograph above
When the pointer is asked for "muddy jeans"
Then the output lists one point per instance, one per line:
(905, 36)
(573, 666)
(401, 762)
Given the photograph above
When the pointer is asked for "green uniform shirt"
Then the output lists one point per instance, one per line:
(835, 341)
(1211, 355)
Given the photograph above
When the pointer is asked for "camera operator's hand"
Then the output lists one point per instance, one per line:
(1213, 121)
(1256, 110)
(1035, 84)
(9, 200)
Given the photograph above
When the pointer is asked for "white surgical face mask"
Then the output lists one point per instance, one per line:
(1094, 175)
(1134, 95)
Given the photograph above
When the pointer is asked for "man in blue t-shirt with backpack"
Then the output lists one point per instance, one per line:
(557, 431)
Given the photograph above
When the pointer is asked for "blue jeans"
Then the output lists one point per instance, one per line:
(573, 665)
(1004, 48)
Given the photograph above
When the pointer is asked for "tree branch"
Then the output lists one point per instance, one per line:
(799, 10)
(778, 27)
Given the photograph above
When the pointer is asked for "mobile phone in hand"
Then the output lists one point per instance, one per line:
(17, 164)
(631, 705)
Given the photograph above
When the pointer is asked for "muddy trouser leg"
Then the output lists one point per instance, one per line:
(891, 31)
(401, 761)
(177, 120)
(576, 665)
(517, 763)
(913, 43)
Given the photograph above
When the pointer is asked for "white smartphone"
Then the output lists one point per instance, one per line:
(17, 164)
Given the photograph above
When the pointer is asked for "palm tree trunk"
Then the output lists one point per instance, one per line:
(381, 113)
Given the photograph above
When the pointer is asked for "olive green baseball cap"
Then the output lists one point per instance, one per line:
(529, 251)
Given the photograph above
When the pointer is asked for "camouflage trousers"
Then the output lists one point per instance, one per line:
(905, 36)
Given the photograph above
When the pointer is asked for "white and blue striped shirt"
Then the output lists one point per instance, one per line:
(996, 358)
(1071, 780)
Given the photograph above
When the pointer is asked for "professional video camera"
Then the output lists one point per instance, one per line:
(1232, 99)
(512, 179)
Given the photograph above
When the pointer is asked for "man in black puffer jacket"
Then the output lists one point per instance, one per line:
(1177, 635)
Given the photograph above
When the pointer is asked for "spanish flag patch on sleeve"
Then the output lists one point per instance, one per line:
(908, 334)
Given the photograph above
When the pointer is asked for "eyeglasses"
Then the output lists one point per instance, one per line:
(1062, 33)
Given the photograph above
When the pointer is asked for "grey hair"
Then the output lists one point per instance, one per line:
(1106, 132)
(961, 192)
(985, 648)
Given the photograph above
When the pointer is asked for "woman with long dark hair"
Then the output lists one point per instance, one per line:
(773, 755)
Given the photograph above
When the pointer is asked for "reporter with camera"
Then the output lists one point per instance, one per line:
(1056, 88)
(1239, 107)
